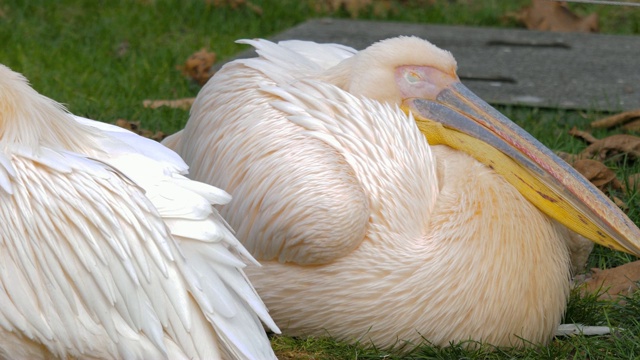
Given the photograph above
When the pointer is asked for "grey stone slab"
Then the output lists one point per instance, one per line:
(512, 66)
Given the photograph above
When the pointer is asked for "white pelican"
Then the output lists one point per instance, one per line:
(368, 233)
(107, 251)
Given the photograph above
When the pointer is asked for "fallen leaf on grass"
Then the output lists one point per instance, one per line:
(595, 171)
(548, 15)
(198, 66)
(134, 126)
(607, 147)
(584, 135)
(617, 119)
(613, 145)
(570, 158)
(184, 103)
(122, 48)
(633, 182)
(598, 173)
(621, 204)
(353, 7)
(234, 4)
(611, 283)
(632, 126)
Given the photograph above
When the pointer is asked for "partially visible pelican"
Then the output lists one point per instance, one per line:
(107, 250)
(368, 233)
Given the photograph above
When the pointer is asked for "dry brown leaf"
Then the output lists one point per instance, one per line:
(633, 125)
(616, 119)
(382, 7)
(613, 145)
(570, 158)
(633, 182)
(129, 125)
(584, 135)
(234, 4)
(621, 204)
(555, 16)
(611, 283)
(598, 173)
(122, 49)
(607, 147)
(184, 103)
(134, 126)
(353, 7)
(198, 66)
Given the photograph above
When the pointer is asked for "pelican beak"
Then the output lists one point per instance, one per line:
(448, 113)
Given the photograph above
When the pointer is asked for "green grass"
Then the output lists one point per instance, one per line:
(624, 344)
(103, 58)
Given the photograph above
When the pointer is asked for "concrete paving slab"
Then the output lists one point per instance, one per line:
(512, 66)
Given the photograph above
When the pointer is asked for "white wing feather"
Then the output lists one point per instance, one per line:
(290, 60)
(112, 252)
(323, 55)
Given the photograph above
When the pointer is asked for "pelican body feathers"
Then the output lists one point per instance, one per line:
(366, 232)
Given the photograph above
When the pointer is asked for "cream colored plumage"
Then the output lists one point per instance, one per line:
(365, 232)
(107, 250)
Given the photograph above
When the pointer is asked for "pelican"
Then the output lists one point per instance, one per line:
(387, 204)
(108, 250)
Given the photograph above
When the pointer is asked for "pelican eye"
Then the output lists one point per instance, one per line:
(412, 77)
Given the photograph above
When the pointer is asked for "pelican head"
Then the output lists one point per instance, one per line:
(447, 112)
